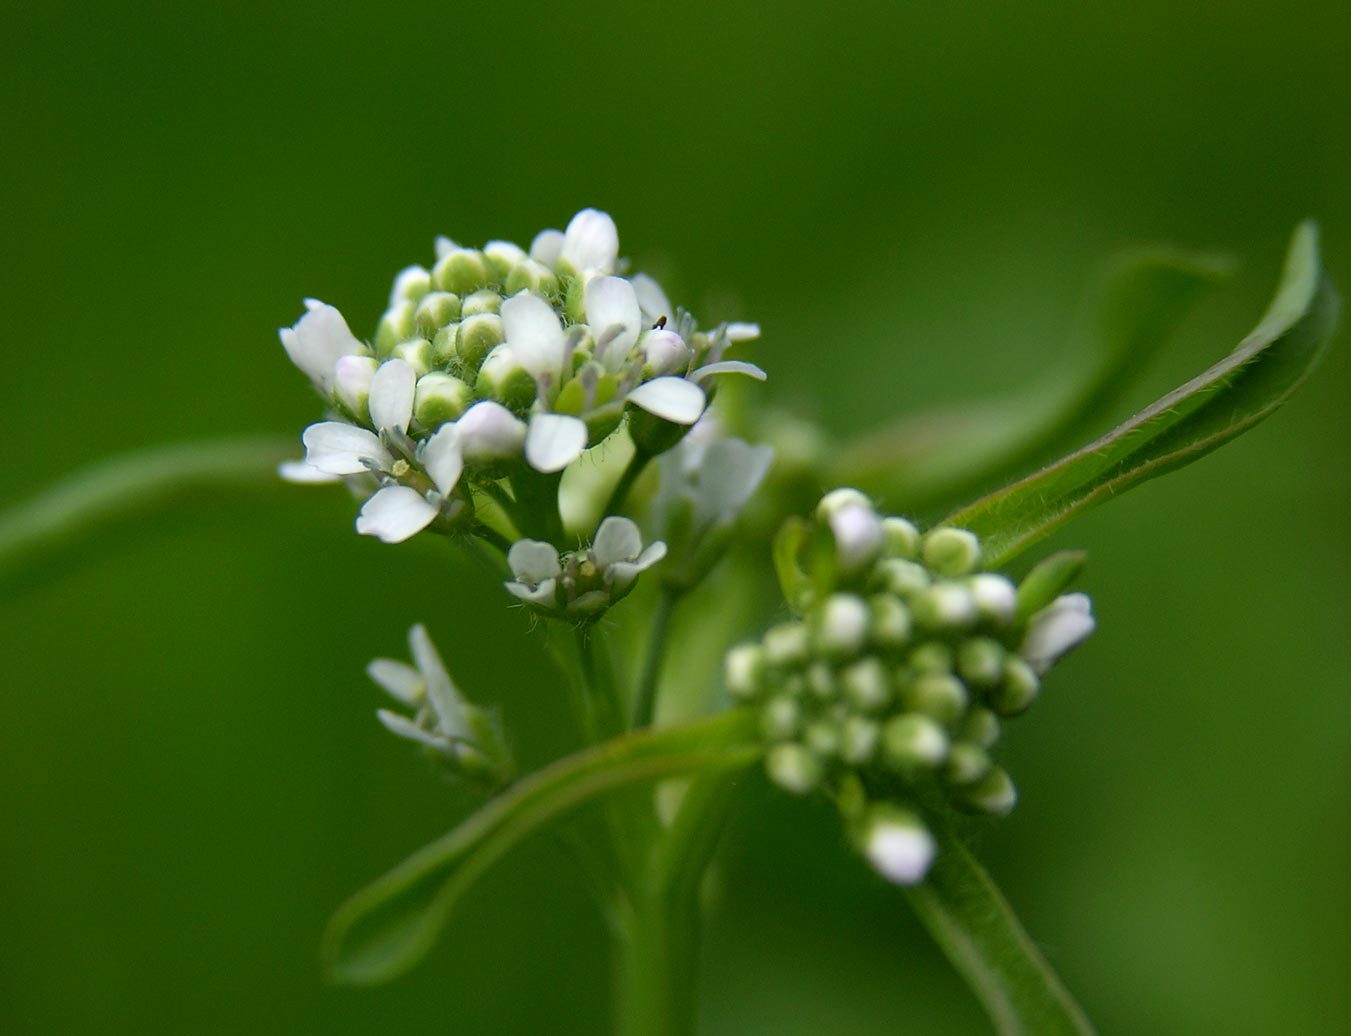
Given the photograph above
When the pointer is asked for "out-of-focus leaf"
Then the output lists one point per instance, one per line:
(1141, 298)
(1216, 406)
(974, 924)
(390, 925)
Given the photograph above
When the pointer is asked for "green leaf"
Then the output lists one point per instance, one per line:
(977, 930)
(1139, 301)
(1218, 405)
(390, 925)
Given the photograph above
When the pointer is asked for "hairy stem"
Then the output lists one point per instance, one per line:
(645, 698)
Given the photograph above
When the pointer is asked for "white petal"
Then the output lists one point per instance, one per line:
(670, 398)
(617, 539)
(534, 333)
(554, 441)
(591, 242)
(441, 693)
(304, 474)
(731, 471)
(651, 299)
(442, 458)
(900, 852)
(392, 391)
(338, 448)
(541, 594)
(404, 727)
(730, 367)
(318, 339)
(394, 514)
(398, 679)
(1063, 624)
(740, 332)
(489, 431)
(533, 561)
(444, 246)
(352, 381)
(547, 247)
(615, 319)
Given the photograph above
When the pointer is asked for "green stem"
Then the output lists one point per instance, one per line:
(976, 928)
(636, 466)
(138, 483)
(645, 699)
(598, 674)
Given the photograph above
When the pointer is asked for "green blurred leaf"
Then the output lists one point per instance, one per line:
(1218, 405)
(1141, 298)
(974, 924)
(390, 925)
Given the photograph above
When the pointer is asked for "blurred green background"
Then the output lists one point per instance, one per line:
(910, 198)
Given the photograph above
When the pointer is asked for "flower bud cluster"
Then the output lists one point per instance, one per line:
(891, 683)
(498, 358)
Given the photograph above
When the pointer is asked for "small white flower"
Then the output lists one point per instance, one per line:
(615, 319)
(591, 242)
(537, 568)
(1058, 628)
(619, 551)
(582, 583)
(318, 340)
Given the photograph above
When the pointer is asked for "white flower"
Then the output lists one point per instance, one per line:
(591, 242)
(615, 319)
(318, 340)
(582, 583)
(1058, 628)
(537, 569)
(618, 551)
(534, 335)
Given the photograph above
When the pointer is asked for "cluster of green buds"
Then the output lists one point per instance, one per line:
(889, 685)
(462, 738)
(498, 361)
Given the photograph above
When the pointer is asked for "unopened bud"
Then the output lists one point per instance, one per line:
(866, 685)
(440, 398)
(898, 845)
(396, 325)
(502, 378)
(744, 671)
(461, 270)
(532, 276)
(890, 628)
(967, 763)
(906, 578)
(943, 698)
(841, 628)
(995, 597)
(951, 552)
(780, 718)
(793, 768)
(945, 608)
(416, 352)
(980, 661)
(859, 738)
(914, 742)
(901, 537)
(980, 727)
(786, 645)
(1018, 690)
(435, 311)
(478, 336)
(485, 300)
(994, 794)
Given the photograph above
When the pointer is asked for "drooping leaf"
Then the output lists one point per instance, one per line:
(1232, 396)
(390, 925)
(975, 926)
(931, 457)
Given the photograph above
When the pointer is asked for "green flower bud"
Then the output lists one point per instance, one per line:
(967, 763)
(478, 336)
(396, 325)
(841, 626)
(911, 741)
(995, 598)
(744, 671)
(416, 352)
(532, 276)
(951, 552)
(822, 738)
(503, 379)
(440, 398)
(781, 718)
(944, 698)
(859, 738)
(461, 270)
(945, 608)
(411, 284)
(932, 657)
(993, 794)
(435, 311)
(890, 626)
(906, 578)
(793, 768)
(866, 685)
(786, 645)
(485, 300)
(821, 681)
(1018, 690)
(980, 662)
(901, 537)
(980, 727)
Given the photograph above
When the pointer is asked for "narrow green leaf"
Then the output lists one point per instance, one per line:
(390, 925)
(137, 483)
(977, 930)
(1139, 301)
(1216, 406)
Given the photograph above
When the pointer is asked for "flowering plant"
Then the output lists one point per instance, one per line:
(549, 412)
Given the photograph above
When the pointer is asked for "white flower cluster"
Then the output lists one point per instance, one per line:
(894, 678)
(495, 359)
